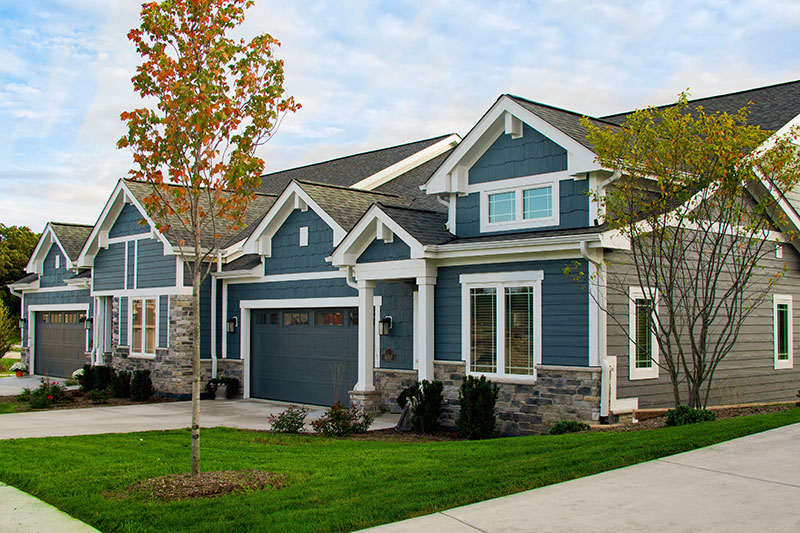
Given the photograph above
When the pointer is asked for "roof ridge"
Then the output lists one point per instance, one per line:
(723, 95)
(75, 224)
(343, 187)
(357, 154)
(131, 180)
(581, 115)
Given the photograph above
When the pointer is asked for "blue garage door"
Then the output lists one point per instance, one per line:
(60, 343)
(304, 355)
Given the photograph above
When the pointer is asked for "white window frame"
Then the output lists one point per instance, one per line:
(780, 364)
(518, 187)
(633, 372)
(143, 299)
(500, 281)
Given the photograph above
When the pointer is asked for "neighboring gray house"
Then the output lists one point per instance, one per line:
(431, 260)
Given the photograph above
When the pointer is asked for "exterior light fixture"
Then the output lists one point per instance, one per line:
(87, 323)
(22, 323)
(385, 326)
(233, 323)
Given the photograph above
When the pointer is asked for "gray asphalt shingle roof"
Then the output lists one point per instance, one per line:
(345, 171)
(345, 205)
(30, 278)
(245, 262)
(71, 236)
(408, 185)
(427, 227)
(772, 106)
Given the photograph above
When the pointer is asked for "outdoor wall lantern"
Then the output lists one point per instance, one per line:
(233, 322)
(87, 323)
(385, 325)
(22, 323)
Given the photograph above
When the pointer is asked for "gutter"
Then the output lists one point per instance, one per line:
(14, 293)
(605, 368)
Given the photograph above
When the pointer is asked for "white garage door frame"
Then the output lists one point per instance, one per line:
(246, 306)
(31, 322)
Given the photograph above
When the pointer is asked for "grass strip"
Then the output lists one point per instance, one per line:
(332, 485)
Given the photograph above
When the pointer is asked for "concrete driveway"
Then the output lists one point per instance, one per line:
(13, 385)
(243, 414)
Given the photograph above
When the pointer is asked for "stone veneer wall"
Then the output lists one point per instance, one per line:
(171, 370)
(391, 383)
(559, 393)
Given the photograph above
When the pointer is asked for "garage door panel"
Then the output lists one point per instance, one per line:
(299, 358)
(60, 343)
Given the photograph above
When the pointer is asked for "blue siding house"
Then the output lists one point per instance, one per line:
(357, 276)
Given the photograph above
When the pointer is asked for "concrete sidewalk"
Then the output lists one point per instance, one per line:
(242, 414)
(22, 513)
(747, 484)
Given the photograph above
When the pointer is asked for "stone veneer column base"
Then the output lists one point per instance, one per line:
(367, 401)
(559, 393)
(390, 383)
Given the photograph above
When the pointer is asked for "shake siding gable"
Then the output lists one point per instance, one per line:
(109, 268)
(127, 223)
(565, 311)
(52, 276)
(573, 211)
(154, 269)
(287, 254)
(385, 251)
(531, 154)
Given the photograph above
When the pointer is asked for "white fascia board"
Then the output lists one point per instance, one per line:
(518, 246)
(254, 272)
(365, 231)
(779, 197)
(280, 211)
(404, 165)
(35, 261)
(492, 125)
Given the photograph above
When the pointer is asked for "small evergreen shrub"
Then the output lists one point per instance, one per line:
(683, 414)
(426, 407)
(341, 422)
(98, 396)
(121, 384)
(568, 426)
(289, 421)
(476, 416)
(86, 379)
(103, 377)
(141, 386)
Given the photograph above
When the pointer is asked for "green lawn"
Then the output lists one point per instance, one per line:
(333, 485)
(7, 407)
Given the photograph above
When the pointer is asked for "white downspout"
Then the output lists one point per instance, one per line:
(605, 368)
(351, 282)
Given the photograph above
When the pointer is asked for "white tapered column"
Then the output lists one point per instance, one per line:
(425, 322)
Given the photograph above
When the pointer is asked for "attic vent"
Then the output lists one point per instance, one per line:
(304, 236)
(58, 262)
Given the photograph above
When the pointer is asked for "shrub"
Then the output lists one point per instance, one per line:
(426, 407)
(86, 378)
(289, 421)
(121, 384)
(98, 396)
(48, 393)
(340, 422)
(567, 426)
(141, 386)
(103, 377)
(9, 334)
(683, 414)
(476, 416)
(232, 386)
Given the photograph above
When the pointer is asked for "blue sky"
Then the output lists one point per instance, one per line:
(368, 74)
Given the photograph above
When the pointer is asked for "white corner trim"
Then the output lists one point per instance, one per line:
(782, 364)
(633, 372)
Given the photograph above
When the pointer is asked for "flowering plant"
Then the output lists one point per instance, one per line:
(289, 421)
(19, 366)
(77, 374)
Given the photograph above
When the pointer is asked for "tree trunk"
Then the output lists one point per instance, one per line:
(196, 366)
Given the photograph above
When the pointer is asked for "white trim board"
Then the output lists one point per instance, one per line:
(31, 325)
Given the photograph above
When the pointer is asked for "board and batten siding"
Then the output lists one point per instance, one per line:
(127, 223)
(154, 269)
(745, 375)
(108, 271)
(287, 254)
(533, 153)
(573, 211)
(565, 311)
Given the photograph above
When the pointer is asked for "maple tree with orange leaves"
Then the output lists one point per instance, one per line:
(216, 100)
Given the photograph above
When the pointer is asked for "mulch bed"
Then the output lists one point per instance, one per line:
(403, 436)
(722, 413)
(204, 485)
(78, 400)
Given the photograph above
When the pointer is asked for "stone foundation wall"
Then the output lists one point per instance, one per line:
(390, 383)
(559, 393)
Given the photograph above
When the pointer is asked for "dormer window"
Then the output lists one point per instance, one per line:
(528, 205)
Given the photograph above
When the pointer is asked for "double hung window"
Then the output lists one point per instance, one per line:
(143, 322)
(502, 323)
(643, 362)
